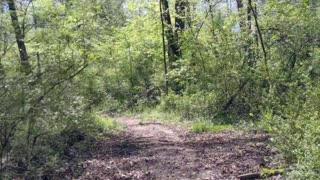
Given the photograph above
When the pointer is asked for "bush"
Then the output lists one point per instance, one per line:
(191, 106)
(296, 134)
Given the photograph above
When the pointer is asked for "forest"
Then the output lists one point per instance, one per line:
(159, 89)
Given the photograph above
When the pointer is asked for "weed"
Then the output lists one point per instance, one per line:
(204, 126)
(106, 125)
(141, 122)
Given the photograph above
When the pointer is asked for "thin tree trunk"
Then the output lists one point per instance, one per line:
(2, 37)
(38, 54)
(164, 51)
(174, 51)
(24, 59)
(246, 28)
(261, 42)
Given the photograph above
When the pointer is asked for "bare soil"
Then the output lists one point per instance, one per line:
(157, 151)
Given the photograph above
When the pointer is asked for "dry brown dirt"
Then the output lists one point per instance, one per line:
(157, 151)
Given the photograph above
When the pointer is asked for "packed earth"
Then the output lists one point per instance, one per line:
(160, 151)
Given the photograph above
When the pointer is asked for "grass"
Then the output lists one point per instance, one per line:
(204, 126)
(197, 126)
(141, 122)
(106, 124)
(155, 114)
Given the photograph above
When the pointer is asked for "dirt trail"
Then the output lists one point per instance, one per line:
(156, 151)
(153, 132)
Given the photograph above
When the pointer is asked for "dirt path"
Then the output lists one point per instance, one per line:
(156, 151)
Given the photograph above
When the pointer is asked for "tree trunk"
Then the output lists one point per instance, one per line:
(174, 52)
(2, 47)
(245, 24)
(239, 7)
(246, 28)
(255, 17)
(24, 59)
(180, 8)
(164, 52)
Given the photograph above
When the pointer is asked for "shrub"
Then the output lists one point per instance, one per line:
(295, 133)
(191, 106)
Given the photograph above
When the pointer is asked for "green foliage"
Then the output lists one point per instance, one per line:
(295, 133)
(48, 113)
(106, 125)
(157, 114)
(105, 56)
(201, 104)
(205, 126)
(266, 172)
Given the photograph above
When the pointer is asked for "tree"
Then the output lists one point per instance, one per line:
(174, 51)
(19, 34)
(172, 33)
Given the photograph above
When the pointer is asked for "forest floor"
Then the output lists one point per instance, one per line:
(162, 151)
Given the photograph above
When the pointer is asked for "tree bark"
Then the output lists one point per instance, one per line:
(164, 51)
(24, 59)
(246, 28)
(174, 51)
(180, 8)
(239, 7)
